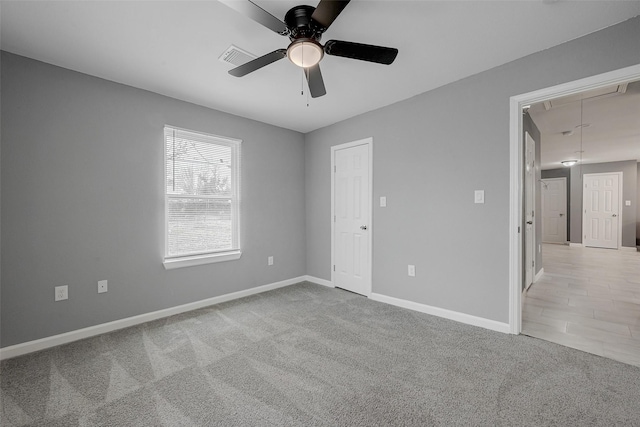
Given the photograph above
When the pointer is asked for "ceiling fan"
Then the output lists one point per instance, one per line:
(304, 25)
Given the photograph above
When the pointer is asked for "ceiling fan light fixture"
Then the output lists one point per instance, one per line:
(305, 53)
(569, 163)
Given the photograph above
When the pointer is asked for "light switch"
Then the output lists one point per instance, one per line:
(411, 270)
(479, 196)
(627, 202)
(383, 202)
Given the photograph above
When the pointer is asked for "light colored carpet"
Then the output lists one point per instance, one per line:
(307, 355)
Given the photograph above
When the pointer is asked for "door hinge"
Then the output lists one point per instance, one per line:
(335, 169)
(334, 268)
(518, 230)
(334, 218)
(533, 263)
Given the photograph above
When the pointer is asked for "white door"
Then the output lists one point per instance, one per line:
(554, 210)
(352, 218)
(529, 208)
(601, 219)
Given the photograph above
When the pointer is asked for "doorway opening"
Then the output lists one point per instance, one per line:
(516, 208)
(555, 235)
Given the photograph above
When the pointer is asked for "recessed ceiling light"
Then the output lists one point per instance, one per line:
(569, 163)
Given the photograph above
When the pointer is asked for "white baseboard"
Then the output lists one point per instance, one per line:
(575, 245)
(628, 249)
(67, 337)
(447, 314)
(539, 275)
(319, 281)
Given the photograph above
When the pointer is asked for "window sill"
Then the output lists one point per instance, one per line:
(170, 264)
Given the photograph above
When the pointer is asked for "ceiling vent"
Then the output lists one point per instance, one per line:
(236, 56)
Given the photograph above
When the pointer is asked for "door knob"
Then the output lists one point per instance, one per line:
(363, 227)
(561, 214)
(614, 215)
(530, 222)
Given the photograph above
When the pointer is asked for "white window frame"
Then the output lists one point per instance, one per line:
(178, 261)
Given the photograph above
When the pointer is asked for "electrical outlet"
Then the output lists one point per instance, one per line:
(412, 270)
(479, 196)
(102, 286)
(61, 293)
(270, 260)
(383, 202)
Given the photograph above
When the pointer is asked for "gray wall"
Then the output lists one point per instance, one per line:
(82, 200)
(430, 153)
(638, 210)
(629, 171)
(562, 173)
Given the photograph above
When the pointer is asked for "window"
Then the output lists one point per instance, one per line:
(202, 198)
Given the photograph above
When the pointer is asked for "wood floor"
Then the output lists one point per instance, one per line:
(588, 299)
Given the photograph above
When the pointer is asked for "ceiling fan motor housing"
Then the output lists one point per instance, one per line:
(300, 24)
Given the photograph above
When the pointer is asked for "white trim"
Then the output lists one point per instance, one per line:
(171, 263)
(366, 141)
(629, 248)
(539, 275)
(620, 210)
(441, 312)
(91, 331)
(575, 245)
(516, 153)
(516, 103)
(319, 281)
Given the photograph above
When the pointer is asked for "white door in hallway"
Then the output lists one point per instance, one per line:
(601, 210)
(554, 210)
(529, 209)
(352, 217)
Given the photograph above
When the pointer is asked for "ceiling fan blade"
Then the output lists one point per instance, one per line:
(363, 52)
(258, 14)
(327, 11)
(258, 63)
(316, 83)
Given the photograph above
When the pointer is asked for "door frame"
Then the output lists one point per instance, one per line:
(584, 208)
(566, 198)
(516, 177)
(366, 141)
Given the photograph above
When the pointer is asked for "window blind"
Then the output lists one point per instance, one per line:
(202, 193)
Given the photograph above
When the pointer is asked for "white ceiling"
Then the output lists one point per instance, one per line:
(172, 48)
(612, 132)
